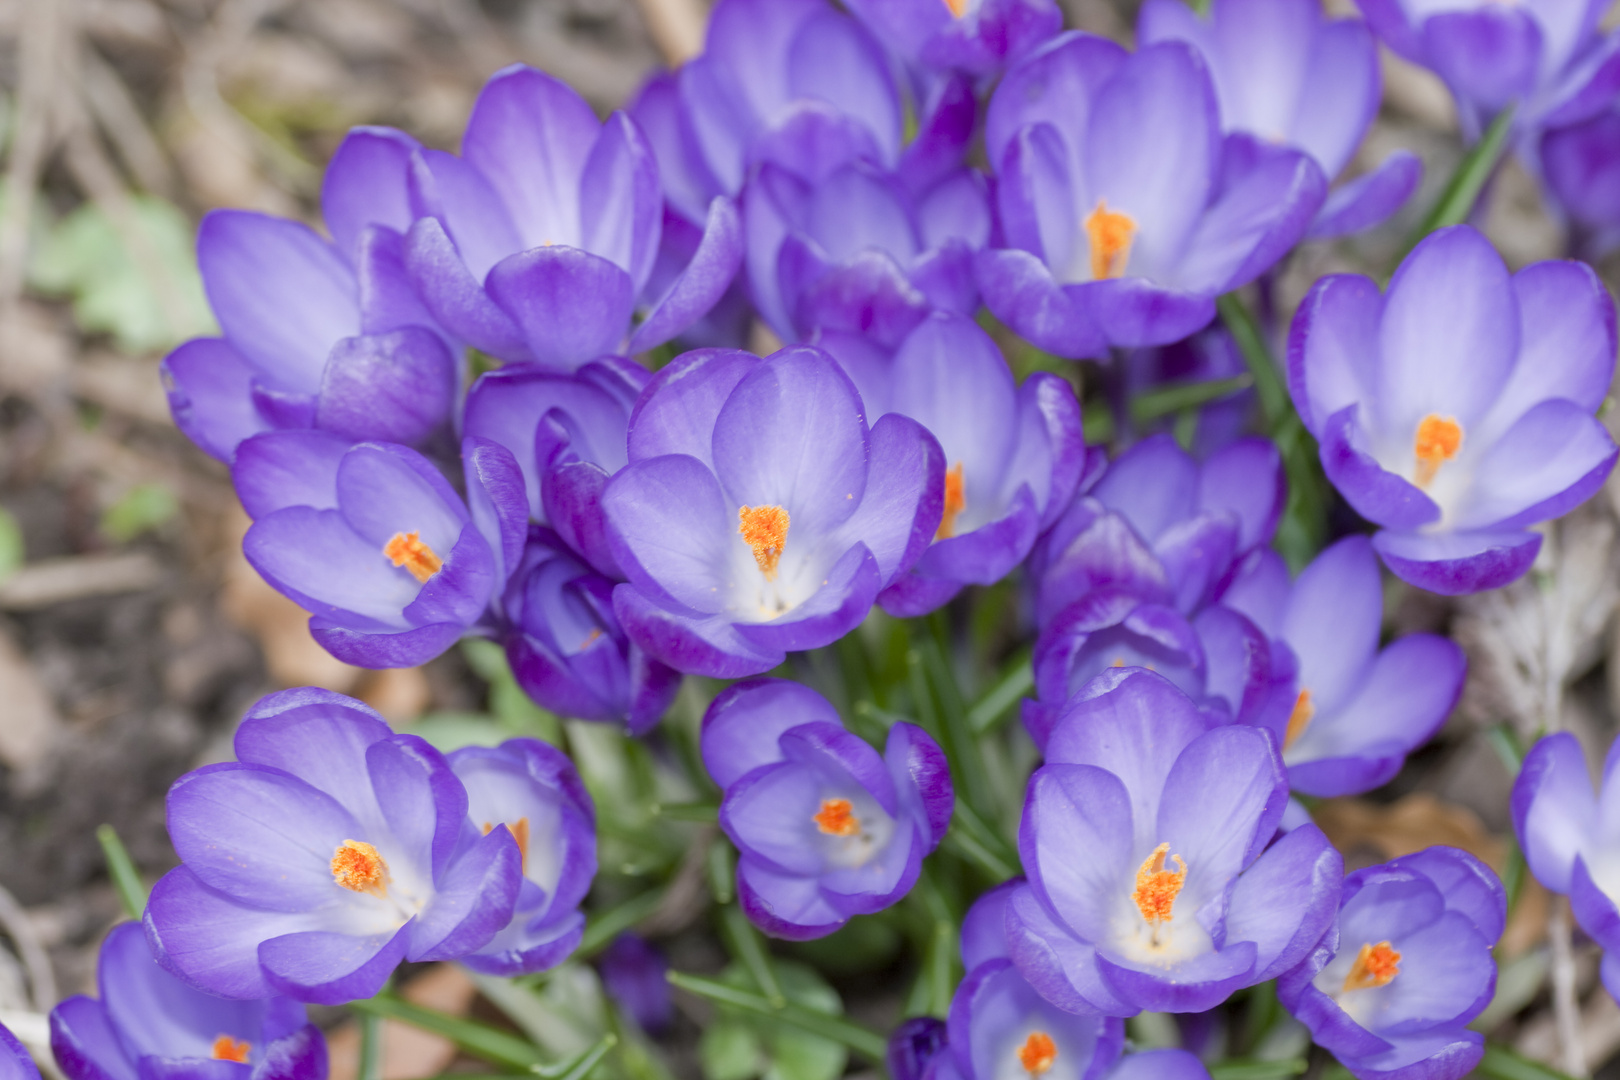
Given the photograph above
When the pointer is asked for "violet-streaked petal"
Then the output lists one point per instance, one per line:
(1554, 809)
(1457, 563)
(1368, 200)
(365, 184)
(457, 298)
(700, 284)
(572, 306)
(210, 391)
(323, 967)
(397, 386)
(741, 727)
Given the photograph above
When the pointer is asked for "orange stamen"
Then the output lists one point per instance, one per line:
(1156, 887)
(1375, 965)
(407, 550)
(765, 529)
(837, 818)
(1037, 1053)
(955, 502)
(958, 7)
(1299, 719)
(520, 832)
(1111, 235)
(229, 1049)
(357, 867)
(1438, 440)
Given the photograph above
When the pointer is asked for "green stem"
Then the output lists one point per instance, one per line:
(580, 1065)
(1251, 343)
(748, 948)
(371, 1049)
(1462, 191)
(704, 812)
(1000, 699)
(1500, 1063)
(602, 929)
(125, 878)
(862, 1040)
(477, 1039)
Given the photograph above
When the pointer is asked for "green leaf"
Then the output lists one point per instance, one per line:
(1457, 201)
(371, 1048)
(144, 508)
(1256, 1070)
(1500, 1063)
(449, 731)
(799, 1055)
(602, 928)
(730, 1051)
(1000, 698)
(580, 1065)
(1153, 404)
(863, 1040)
(1251, 343)
(12, 553)
(747, 947)
(477, 1039)
(121, 868)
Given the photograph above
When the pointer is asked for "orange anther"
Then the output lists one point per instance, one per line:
(1375, 965)
(837, 818)
(1110, 234)
(955, 502)
(1299, 719)
(1438, 439)
(958, 7)
(407, 550)
(229, 1049)
(1156, 887)
(1037, 1053)
(764, 529)
(520, 832)
(357, 867)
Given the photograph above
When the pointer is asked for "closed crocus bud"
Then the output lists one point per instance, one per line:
(148, 1023)
(1154, 881)
(1392, 987)
(826, 827)
(913, 1045)
(634, 972)
(329, 852)
(979, 37)
(1456, 409)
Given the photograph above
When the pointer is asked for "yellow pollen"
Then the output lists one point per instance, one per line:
(1037, 1053)
(765, 529)
(1156, 887)
(1375, 965)
(837, 818)
(407, 550)
(520, 832)
(1299, 719)
(357, 867)
(229, 1049)
(1110, 234)
(1438, 440)
(955, 502)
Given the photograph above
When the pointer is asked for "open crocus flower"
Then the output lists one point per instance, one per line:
(566, 647)
(149, 1024)
(1153, 879)
(534, 790)
(759, 514)
(1123, 211)
(826, 827)
(1014, 455)
(316, 335)
(979, 37)
(1285, 74)
(331, 850)
(1455, 410)
(1357, 711)
(1571, 838)
(375, 544)
(1393, 985)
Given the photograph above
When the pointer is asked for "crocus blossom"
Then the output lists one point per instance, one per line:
(534, 790)
(759, 513)
(1456, 409)
(635, 974)
(979, 37)
(329, 852)
(1286, 74)
(1580, 171)
(1124, 211)
(1154, 881)
(1358, 711)
(146, 1023)
(1393, 985)
(826, 827)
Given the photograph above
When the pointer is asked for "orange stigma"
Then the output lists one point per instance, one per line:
(955, 502)
(765, 529)
(1375, 965)
(407, 550)
(1299, 719)
(1110, 234)
(1037, 1053)
(1438, 440)
(837, 818)
(958, 7)
(229, 1049)
(1157, 888)
(357, 867)
(520, 832)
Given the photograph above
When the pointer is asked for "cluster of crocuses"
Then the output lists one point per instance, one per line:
(461, 412)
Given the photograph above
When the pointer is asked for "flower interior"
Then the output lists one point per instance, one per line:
(1109, 234)
(229, 1049)
(520, 832)
(764, 529)
(1038, 1053)
(407, 550)
(357, 867)
(1437, 441)
(854, 828)
(1157, 888)
(1299, 719)
(1376, 965)
(955, 502)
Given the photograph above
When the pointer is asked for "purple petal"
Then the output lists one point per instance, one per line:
(1020, 290)
(365, 184)
(784, 906)
(1376, 493)
(457, 298)
(1566, 343)
(1370, 199)
(397, 387)
(1261, 213)
(572, 306)
(1056, 85)
(1467, 885)
(984, 927)
(1191, 985)
(1339, 98)
(1159, 1065)
(496, 499)
(472, 901)
(700, 284)
(676, 413)
(741, 727)
(1333, 348)
(209, 941)
(1333, 621)
(703, 645)
(905, 492)
(621, 203)
(1487, 55)
(1075, 842)
(832, 58)
(1554, 809)
(846, 595)
(1061, 968)
(1154, 485)
(83, 1042)
(1233, 479)
(922, 779)
(1453, 564)
(1550, 461)
(671, 530)
(1287, 899)
(210, 391)
(327, 968)
(1222, 801)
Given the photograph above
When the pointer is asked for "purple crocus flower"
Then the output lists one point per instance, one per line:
(825, 826)
(759, 514)
(371, 539)
(1357, 710)
(1570, 840)
(1153, 879)
(327, 853)
(1124, 211)
(316, 334)
(149, 1024)
(913, 1046)
(566, 647)
(979, 37)
(1455, 410)
(1394, 983)
(15, 1064)
(1285, 74)
(1580, 169)
(1014, 454)
(534, 790)
(635, 974)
